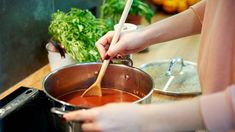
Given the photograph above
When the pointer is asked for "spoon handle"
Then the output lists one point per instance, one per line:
(95, 89)
(115, 38)
(102, 70)
(121, 22)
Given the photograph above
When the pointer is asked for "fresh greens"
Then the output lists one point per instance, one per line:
(77, 31)
(112, 9)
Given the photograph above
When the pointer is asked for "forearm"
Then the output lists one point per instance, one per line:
(177, 116)
(215, 112)
(177, 26)
(218, 110)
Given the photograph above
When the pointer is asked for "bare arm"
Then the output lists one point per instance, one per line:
(180, 25)
(175, 116)
(214, 112)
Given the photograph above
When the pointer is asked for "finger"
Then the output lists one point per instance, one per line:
(80, 115)
(102, 50)
(106, 39)
(91, 127)
(103, 43)
(115, 50)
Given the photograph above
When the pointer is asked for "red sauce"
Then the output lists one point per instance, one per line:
(108, 96)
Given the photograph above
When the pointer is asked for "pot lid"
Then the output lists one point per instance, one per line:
(174, 77)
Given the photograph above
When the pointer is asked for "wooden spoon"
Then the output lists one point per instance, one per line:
(95, 88)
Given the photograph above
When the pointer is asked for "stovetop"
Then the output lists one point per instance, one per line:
(26, 110)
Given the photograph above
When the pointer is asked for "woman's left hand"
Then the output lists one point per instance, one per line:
(125, 117)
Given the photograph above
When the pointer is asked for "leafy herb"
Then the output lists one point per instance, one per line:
(112, 9)
(77, 31)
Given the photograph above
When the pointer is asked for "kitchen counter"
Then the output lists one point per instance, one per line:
(186, 48)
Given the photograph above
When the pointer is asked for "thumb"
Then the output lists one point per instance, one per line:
(81, 115)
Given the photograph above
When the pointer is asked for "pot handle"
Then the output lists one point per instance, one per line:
(175, 67)
(125, 60)
(59, 111)
(71, 124)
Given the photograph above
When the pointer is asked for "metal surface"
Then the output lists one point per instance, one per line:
(71, 126)
(17, 102)
(174, 77)
(81, 76)
(173, 70)
(125, 61)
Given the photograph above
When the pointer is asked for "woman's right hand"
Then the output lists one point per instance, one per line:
(129, 42)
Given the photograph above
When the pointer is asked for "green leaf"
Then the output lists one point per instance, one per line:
(77, 31)
(112, 9)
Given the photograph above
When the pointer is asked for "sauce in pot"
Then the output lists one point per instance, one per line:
(108, 96)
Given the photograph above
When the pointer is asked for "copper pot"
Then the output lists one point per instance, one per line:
(81, 76)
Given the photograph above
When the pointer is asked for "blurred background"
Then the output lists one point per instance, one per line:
(24, 31)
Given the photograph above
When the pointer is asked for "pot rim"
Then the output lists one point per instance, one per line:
(93, 63)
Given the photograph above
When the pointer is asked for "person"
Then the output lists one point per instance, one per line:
(214, 110)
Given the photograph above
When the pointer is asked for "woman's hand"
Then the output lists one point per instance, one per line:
(125, 117)
(130, 117)
(129, 42)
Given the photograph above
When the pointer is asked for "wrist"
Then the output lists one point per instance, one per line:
(143, 38)
(153, 34)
